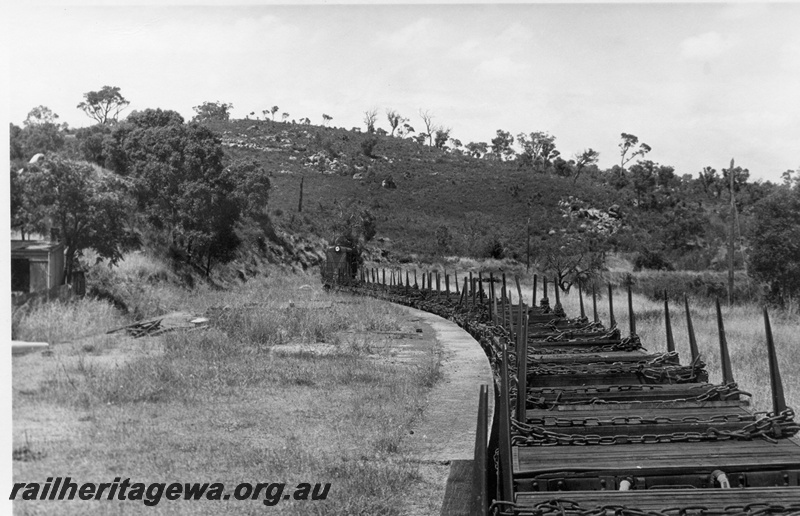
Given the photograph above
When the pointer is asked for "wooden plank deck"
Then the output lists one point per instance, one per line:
(659, 500)
(661, 458)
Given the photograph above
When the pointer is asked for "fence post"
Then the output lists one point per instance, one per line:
(472, 288)
(522, 368)
(481, 449)
(506, 480)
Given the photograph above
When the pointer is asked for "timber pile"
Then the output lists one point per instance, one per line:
(159, 325)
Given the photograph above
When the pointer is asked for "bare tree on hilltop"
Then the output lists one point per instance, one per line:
(430, 128)
(370, 116)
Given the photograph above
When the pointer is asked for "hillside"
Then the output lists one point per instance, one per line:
(239, 194)
(426, 201)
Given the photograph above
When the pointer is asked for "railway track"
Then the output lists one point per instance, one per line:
(589, 423)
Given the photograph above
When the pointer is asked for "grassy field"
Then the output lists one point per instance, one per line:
(268, 393)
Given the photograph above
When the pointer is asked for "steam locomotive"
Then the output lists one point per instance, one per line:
(341, 265)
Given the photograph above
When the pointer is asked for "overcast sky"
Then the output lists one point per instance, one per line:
(700, 83)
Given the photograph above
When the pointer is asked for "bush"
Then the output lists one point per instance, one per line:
(651, 260)
(494, 249)
(707, 285)
(368, 145)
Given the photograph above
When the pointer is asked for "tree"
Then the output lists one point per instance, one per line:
(740, 177)
(584, 159)
(181, 183)
(274, 110)
(538, 149)
(653, 180)
(90, 142)
(89, 208)
(40, 133)
(441, 137)
(40, 115)
(709, 179)
(104, 105)
(574, 248)
(16, 145)
(405, 130)
(682, 227)
(501, 145)
(394, 119)
(430, 128)
(562, 167)
(629, 141)
(326, 119)
(212, 111)
(477, 149)
(617, 177)
(444, 240)
(774, 254)
(370, 116)
(367, 146)
(791, 177)
(251, 186)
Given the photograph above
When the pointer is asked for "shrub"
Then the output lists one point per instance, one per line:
(494, 249)
(368, 145)
(651, 260)
(707, 285)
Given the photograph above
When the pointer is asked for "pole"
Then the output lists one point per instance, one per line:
(730, 240)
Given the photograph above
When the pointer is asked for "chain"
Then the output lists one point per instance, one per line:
(653, 370)
(714, 393)
(637, 420)
(770, 428)
(662, 359)
(577, 335)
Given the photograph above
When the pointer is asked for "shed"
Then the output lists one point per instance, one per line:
(36, 265)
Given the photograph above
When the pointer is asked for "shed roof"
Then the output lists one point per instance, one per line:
(28, 247)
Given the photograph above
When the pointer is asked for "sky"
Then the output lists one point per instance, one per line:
(699, 83)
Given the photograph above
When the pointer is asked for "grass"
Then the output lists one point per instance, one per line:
(220, 405)
(61, 322)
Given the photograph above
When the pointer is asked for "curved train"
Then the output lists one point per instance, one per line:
(588, 423)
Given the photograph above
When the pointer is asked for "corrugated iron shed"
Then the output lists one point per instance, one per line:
(36, 265)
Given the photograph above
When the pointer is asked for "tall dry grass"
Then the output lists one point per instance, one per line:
(221, 405)
(62, 321)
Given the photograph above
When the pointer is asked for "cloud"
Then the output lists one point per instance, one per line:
(501, 67)
(789, 55)
(705, 46)
(419, 35)
(743, 11)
